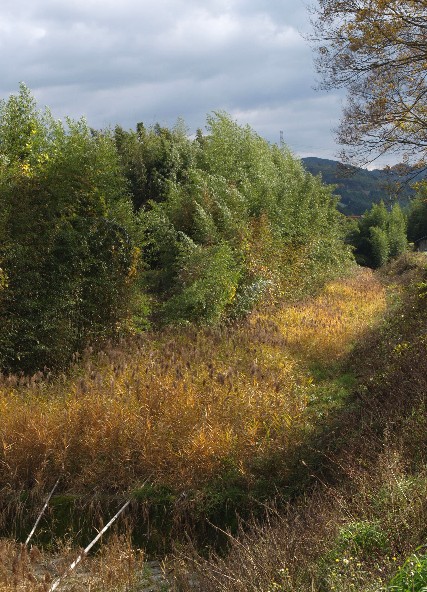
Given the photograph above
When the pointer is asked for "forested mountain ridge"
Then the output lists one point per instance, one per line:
(359, 188)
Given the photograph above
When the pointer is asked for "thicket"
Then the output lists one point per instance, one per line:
(379, 235)
(68, 238)
(231, 220)
(102, 231)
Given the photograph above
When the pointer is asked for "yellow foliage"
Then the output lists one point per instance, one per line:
(26, 169)
(178, 407)
(324, 328)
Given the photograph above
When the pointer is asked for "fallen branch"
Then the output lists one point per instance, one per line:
(88, 548)
(41, 513)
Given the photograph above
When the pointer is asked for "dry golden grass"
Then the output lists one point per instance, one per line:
(118, 567)
(180, 406)
(365, 513)
(323, 329)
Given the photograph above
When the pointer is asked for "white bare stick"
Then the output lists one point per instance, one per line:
(88, 548)
(42, 512)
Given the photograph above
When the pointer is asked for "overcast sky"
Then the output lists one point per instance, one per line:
(125, 61)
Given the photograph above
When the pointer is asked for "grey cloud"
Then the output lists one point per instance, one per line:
(129, 61)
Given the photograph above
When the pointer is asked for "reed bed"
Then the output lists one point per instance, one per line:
(182, 406)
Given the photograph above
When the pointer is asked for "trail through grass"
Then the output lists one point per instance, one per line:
(188, 421)
(360, 523)
(181, 406)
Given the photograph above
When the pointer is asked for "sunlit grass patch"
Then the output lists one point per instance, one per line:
(175, 413)
(188, 408)
(324, 328)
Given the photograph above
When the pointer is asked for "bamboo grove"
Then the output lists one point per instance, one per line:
(104, 233)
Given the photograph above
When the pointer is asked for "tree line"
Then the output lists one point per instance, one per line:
(106, 233)
(103, 233)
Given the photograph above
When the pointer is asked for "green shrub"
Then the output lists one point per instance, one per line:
(411, 577)
(362, 538)
(208, 280)
(68, 246)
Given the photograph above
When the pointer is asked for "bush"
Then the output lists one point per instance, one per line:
(67, 238)
(208, 281)
(364, 539)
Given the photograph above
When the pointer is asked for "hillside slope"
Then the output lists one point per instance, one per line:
(359, 188)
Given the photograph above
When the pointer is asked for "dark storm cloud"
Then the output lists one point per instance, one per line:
(129, 61)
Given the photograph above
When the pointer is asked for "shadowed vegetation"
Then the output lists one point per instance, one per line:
(361, 524)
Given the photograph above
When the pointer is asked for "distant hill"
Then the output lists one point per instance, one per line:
(359, 188)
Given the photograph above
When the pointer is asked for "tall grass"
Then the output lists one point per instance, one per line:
(192, 416)
(361, 526)
(181, 406)
(324, 329)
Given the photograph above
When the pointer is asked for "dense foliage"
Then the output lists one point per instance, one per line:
(233, 220)
(67, 249)
(91, 222)
(379, 235)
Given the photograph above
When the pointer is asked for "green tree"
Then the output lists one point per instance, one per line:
(379, 246)
(246, 221)
(380, 235)
(417, 216)
(153, 158)
(67, 237)
(376, 216)
(397, 231)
